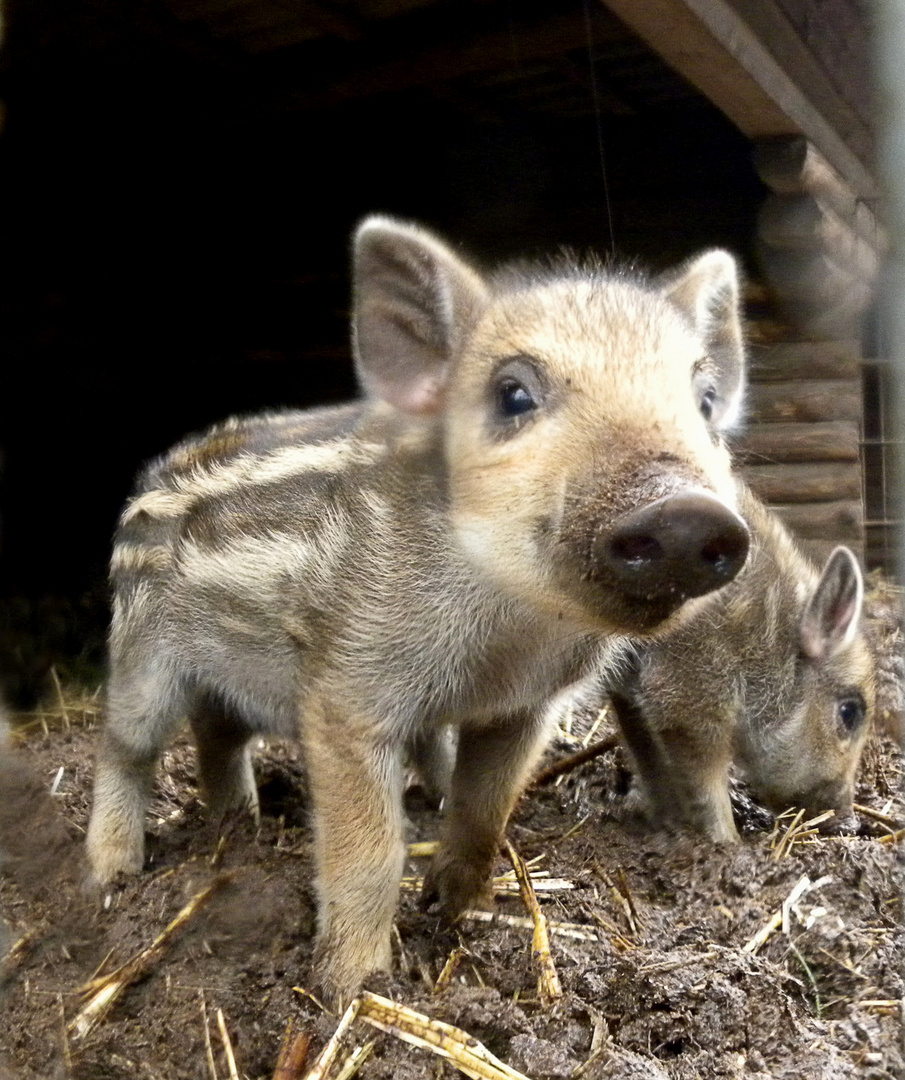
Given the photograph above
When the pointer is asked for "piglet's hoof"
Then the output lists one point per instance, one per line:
(343, 962)
(456, 887)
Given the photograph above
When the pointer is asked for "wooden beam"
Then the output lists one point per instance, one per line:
(768, 20)
(792, 360)
(801, 402)
(820, 297)
(808, 275)
(829, 440)
(818, 245)
(805, 483)
(793, 166)
(714, 47)
(302, 20)
(803, 223)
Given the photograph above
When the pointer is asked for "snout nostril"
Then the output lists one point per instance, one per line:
(637, 549)
(725, 553)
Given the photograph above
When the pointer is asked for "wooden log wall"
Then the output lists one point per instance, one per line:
(820, 246)
(800, 450)
(820, 249)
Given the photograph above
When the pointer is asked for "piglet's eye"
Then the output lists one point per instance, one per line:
(707, 402)
(851, 713)
(515, 399)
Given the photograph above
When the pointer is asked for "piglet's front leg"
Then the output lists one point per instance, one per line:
(493, 766)
(356, 786)
(682, 770)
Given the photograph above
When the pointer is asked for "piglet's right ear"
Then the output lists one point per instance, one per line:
(414, 299)
(707, 289)
(833, 611)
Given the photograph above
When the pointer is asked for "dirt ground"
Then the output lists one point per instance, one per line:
(662, 987)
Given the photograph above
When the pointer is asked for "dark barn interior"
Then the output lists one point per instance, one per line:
(181, 178)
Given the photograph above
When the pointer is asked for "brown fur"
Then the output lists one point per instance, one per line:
(368, 576)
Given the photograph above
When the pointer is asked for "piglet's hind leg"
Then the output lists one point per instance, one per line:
(143, 710)
(225, 774)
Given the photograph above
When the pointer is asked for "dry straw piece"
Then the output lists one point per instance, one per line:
(797, 832)
(505, 885)
(622, 897)
(355, 1060)
(102, 993)
(329, 1053)
(548, 985)
(576, 931)
(423, 849)
(208, 1047)
(868, 811)
(780, 919)
(227, 1046)
(449, 969)
(457, 1046)
(9, 960)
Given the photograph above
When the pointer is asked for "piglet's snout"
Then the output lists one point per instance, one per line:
(683, 545)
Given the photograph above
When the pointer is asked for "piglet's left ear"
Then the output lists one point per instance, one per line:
(833, 611)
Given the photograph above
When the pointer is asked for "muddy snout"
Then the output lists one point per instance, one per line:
(680, 546)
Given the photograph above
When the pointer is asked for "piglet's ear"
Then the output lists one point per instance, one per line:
(706, 289)
(414, 301)
(832, 613)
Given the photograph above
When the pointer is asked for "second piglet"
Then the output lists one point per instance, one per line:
(536, 464)
(773, 674)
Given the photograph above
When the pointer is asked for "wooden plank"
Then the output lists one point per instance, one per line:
(825, 87)
(675, 31)
(841, 521)
(882, 547)
(764, 332)
(805, 483)
(793, 166)
(792, 360)
(709, 43)
(831, 440)
(286, 24)
(797, 402)
(839, 36)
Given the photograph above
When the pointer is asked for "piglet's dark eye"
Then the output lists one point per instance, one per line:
(707, 402)
(514, 399)
(851, 713)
